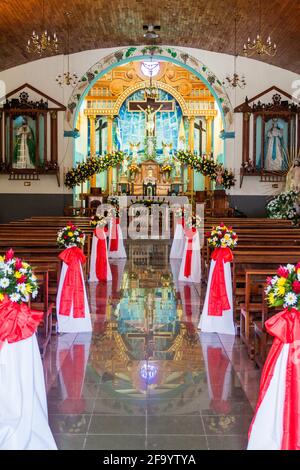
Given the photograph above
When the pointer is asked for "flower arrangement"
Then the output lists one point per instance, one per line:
(283, 290)
(98, 221)
(206, 165)
(85, 170)
(166, 168)
(283, 206)
(17, 281)
(193, 221)
(222, 237)
(148, 202)
(70, 236)
(133, 168)
(178, 212)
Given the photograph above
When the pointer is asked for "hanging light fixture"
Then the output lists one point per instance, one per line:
(67, 78)
(44, 42)
(235, 80)
(151, 69)
(258, 46)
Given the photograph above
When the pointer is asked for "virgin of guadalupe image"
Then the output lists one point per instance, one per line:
(24, 151)
(275, 151)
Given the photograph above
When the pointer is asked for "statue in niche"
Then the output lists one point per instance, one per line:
(125, 165)
(293, 177)
(275, 153)
(177, 165)
(24, 151)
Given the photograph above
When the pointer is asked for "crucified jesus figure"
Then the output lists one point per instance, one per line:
(150, 114)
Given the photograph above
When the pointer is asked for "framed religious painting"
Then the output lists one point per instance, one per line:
(29, 130)
(271, 135)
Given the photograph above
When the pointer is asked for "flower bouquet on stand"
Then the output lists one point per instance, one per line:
(24, 423)
(99, 265)
(276, 425)
(72, 308)
(217, 313)
(116, 247)
(166, 171)
(190, 269)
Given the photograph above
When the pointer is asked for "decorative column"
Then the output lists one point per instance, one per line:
(92, 120)
(110, 120)
(191, 149)
(209, 121)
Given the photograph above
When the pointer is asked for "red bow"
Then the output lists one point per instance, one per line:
(189, 252)
(101, 256)
(73, 287)
(17, 321)
(114, 242)
(285, 327)
(218, 301)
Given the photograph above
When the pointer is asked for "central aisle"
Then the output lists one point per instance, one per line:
(146, 378)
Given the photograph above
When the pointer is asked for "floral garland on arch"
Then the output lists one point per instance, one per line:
(84, 171)
(283, 206)
(208, 167)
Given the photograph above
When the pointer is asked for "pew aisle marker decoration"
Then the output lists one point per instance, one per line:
(206, 165)
(17, 281)
(98, 221)
(70, 236)
(193, 221)
(283, 206)
(93, 165)
(283, 290)
(222, 237)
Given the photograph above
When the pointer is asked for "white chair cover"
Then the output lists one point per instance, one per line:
(69, 324)
(178, 243)
(93, 275)
(217, 324)
(23, 404)
(196, 261)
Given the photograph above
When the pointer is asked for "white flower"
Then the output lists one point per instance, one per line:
(290, 299)
(21, 288)
(15, 297)
(4, 282)
(34, 294)
(268, 289)
(274, 280)
(25, 298)
(290, 268)
(33, 278)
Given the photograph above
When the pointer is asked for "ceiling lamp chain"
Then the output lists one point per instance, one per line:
(42, 43)
(67, 78)
(234, 81)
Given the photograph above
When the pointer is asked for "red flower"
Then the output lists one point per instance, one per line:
(207, 234)
(22, 279)
(9, 255)
(65, 237)
(220, 235)
(234, 236)
(269, 280)
(296, 287)
(18, 264)
(222, 224)
(283, 272)
(298, 265)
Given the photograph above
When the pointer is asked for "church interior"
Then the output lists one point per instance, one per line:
(149, 225)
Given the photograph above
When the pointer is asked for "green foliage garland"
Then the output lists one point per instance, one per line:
(208, 167)
(84, 171)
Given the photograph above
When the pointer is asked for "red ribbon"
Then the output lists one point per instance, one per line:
(101, 255)
(72, 293)
(72, 364)
(114, 241)
(17, 321)
(189, 252)
(188, 300)
(218, 300)
(285, 327)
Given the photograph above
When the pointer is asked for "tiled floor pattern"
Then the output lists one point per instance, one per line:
(147, 378)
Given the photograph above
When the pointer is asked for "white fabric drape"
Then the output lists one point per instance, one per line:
(121, 252)
(69, 324)
(216, 324)
(178, 243)
(23, 405)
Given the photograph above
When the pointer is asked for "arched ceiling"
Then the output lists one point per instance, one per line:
(204, 24)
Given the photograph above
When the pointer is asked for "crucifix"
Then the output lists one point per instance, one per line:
(151, 107)
(101, 125)
(201, 129)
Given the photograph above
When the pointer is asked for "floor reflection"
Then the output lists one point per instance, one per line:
(146, 378)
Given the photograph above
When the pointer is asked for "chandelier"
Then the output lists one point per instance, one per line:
(67, 78)
(235, 80)
(44, 42)
(258, 46)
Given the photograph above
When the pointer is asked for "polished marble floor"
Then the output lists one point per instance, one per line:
(147, 378)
